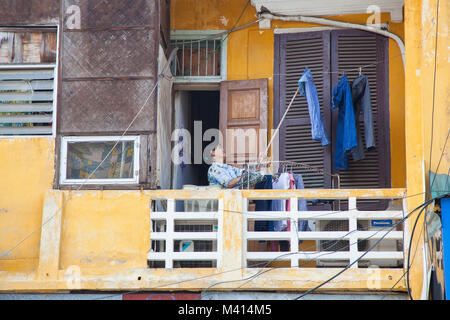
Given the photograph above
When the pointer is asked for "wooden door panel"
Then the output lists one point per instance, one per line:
(243, 119)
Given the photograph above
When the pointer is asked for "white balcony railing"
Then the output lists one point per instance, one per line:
(182, 237)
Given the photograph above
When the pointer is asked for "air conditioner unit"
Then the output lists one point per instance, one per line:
(363, 245)
(383, 245)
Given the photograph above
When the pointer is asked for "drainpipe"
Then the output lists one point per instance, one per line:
(338, 24)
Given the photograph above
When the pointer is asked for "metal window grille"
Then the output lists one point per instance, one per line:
(197, 58)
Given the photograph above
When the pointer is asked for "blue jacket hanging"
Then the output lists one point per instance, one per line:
(308, 89)
(361, 102)
(346, 128)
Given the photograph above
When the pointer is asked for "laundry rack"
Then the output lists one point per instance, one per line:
(292, 165)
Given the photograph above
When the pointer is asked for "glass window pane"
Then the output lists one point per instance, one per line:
(83, 158)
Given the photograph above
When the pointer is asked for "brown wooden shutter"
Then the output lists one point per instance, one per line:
(354, 49)
(350, 50)
(293, 53)
(326, 53)
(243, 106)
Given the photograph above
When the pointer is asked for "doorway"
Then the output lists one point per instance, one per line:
(196, 112)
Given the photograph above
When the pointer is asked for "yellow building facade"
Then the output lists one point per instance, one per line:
(103, 236)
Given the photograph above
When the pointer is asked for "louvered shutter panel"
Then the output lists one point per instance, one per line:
(350, 50)
(295, 53)
(26, 101)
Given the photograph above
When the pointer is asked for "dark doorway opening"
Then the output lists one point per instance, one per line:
(195, 111)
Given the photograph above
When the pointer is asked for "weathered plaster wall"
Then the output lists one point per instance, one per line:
(26, 172)
(420, 30)
(107, 230)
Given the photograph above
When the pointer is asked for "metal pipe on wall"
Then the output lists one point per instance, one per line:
(338, 24)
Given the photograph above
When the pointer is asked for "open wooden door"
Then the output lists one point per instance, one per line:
(243, 119)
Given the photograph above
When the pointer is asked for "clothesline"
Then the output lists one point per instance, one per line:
(293, 164)
(307, 88)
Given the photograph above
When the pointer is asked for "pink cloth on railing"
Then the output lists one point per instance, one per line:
(286, 181)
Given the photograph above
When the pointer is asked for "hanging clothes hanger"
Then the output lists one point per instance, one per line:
(360, 70)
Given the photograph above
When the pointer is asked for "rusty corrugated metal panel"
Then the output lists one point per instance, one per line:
(109, 67)
(108, 70)
(118, 53)
(105, 107)
(27, 12)
(115, 13)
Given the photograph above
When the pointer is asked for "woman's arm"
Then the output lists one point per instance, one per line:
(233, 182)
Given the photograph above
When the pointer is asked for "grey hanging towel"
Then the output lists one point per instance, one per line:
(361, 103)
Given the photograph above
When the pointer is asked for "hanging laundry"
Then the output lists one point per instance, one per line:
(283, 182)
(308, 89)
(286, 224)
(263, 205)
(303, 225)
(346, 129)
(361, 102)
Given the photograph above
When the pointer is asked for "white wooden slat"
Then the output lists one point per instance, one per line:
(41, 74)
(35, 130)
(324, 215)
(310, 255)
(27, 96)
(183, 235)
(220, 237)
(26, 85)
(182, 255)
(27, 66)
(325, 235)
(170, 227)
(26, 107)
(185, 215)
(27, 119)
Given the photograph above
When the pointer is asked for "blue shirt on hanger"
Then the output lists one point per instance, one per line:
(308, 89)
(346, 126)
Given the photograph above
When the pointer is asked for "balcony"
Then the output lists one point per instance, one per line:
(216, 248)
(237, 254)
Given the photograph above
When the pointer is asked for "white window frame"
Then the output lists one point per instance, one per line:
(63, 166)
(55, 67)
(201, 34)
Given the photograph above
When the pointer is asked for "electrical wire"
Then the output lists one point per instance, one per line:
(439, 163)
(265, 263)
(334, 241)
(405, 269)
(434, 90)
(368, 250)
(408, 264)
(237, 269)
(135, 119)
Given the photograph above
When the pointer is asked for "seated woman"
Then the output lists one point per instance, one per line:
(229, 176)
